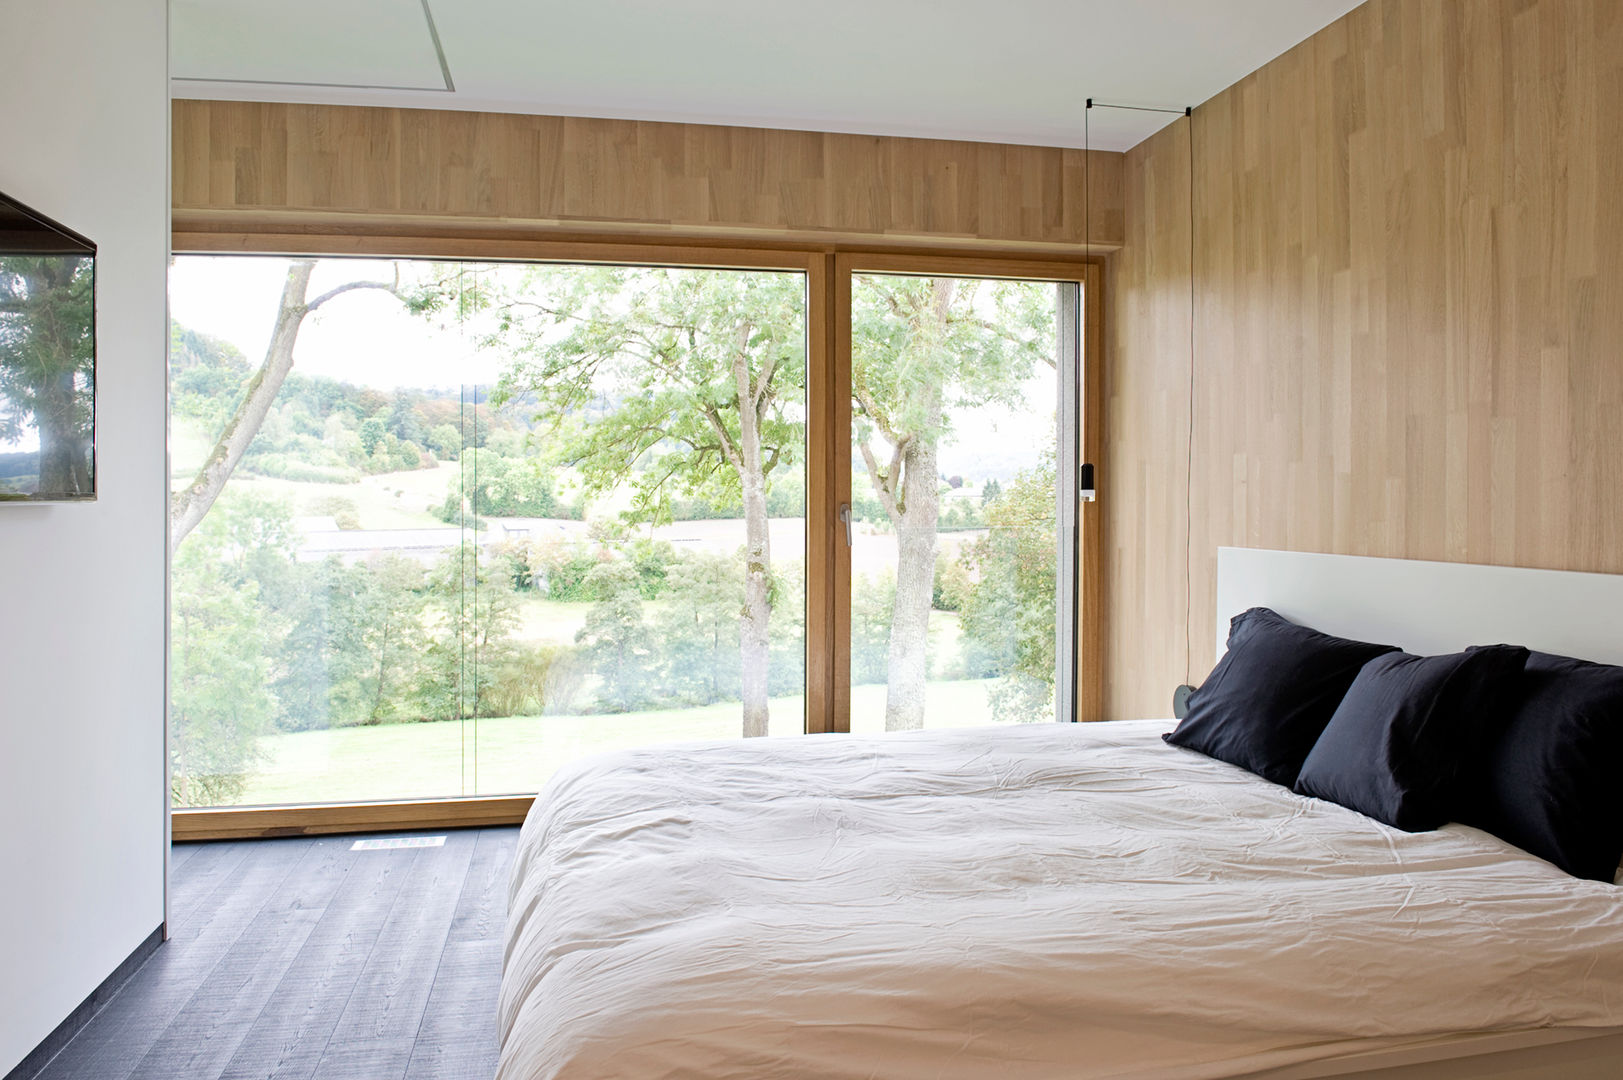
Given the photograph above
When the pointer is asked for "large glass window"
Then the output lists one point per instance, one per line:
(440, 527)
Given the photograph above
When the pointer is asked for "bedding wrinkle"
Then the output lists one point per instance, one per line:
(1035, 902)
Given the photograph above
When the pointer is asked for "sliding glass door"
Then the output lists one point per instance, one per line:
(962, 394)
(441, 527)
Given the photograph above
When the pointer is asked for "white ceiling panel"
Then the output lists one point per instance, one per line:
(369, 44)
(993, 70)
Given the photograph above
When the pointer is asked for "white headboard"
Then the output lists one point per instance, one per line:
(1427, 607)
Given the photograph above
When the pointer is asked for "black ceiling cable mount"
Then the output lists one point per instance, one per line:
(1187, 110)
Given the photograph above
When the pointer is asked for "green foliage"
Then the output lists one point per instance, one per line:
(496, 486)
(698, 632)
(961, 514)
(923, 348)
(206, 376)
(446, 442)
(640, 375)
(372, 433)
(785, 498)
(537, 680)
(375, 639)
(472, 615)
(560, 568)
(872, 599)
(1008, 616)
(324, 431)
(219, 702)
(787, 671)
(615, 639)
(951, 586)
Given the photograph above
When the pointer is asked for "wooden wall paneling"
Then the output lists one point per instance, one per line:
(1143, 492)
(1409, 318)
(278, 165)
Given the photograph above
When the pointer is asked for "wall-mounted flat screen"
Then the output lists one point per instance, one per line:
(47, 359)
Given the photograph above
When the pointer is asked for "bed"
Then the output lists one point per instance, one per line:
(1036, 901)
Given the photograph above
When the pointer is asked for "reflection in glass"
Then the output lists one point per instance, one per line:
(47, 359)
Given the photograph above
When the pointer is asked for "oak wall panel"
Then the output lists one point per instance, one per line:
(1408, 250)
(285, 166)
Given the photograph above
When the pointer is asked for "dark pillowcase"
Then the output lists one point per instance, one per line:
(1552, 784)
(1266, 702)
(1394, 748)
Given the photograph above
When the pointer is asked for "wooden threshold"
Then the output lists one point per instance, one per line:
(259, 822)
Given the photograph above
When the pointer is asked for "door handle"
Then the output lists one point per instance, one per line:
(845, 516)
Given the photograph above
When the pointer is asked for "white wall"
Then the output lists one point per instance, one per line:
(84, 106)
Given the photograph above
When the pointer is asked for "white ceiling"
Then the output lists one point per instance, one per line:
(994, 70)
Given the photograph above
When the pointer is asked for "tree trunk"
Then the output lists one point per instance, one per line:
(188, 506)
(915, 582)
(754, 637)
(62, 425)
(915, 522)
(64, 449)
(754, 631)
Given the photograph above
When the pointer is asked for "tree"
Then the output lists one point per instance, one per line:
(615, 638)
(471, 614)
(495, 486)
(676, 383)
(446, 442)
(375, 639)
(1008, 617)
(372, 434)
(47, 362)
(219, 706)
(188, 506)
(922, 348)
(698, 630)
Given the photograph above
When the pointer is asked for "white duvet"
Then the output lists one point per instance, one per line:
(1055, 900)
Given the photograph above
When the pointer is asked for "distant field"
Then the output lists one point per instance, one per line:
(517, 754)
(398, 500)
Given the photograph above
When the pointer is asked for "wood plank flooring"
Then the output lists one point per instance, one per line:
(304, 960)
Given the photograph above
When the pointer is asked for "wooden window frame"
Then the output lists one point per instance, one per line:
(828, 270)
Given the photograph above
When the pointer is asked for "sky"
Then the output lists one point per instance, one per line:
(364, 337)
(368, 338)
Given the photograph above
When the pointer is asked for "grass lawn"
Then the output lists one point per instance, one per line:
(518, 753)
(540, 619)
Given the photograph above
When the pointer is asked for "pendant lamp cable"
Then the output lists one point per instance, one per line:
(1189, 453)
(1188, 113)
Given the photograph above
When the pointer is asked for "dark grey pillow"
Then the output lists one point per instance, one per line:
(1552, 784)
(1394, 748)
(1265, 704)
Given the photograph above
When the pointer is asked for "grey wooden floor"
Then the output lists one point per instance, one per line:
(301, 958)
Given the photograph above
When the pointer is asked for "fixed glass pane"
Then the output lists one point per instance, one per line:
(485, 518)
(315, 580)
(957, 401)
